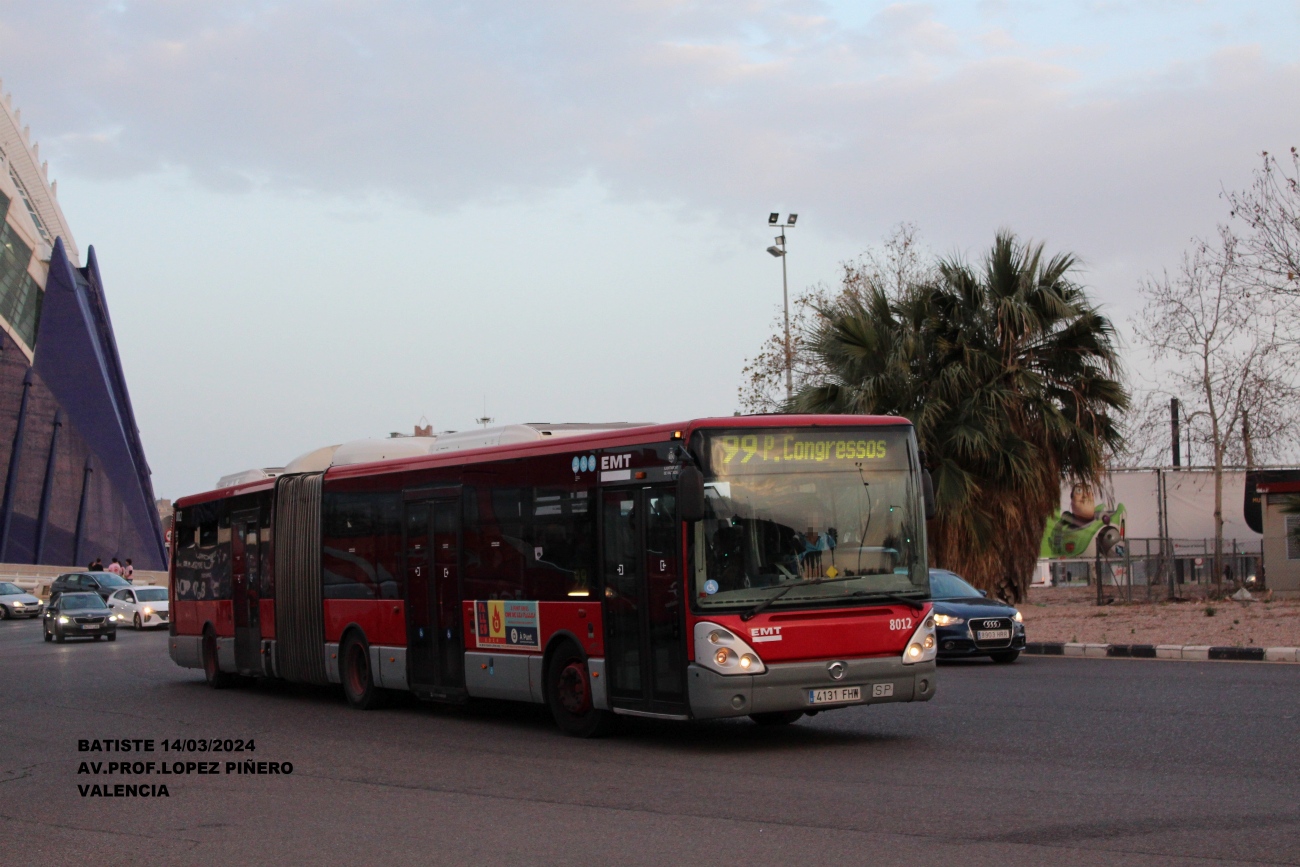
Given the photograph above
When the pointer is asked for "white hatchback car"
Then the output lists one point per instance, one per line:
(143, 606)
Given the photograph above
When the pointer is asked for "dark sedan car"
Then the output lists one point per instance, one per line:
(968, 623)
(79, 615)
(103, 583)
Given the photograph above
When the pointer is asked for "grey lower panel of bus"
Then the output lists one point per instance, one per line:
(522, 678)
(499, 675)
(226, 655)
(299, 627)
(389, 665)
(599, 698)
(331, 659)
(186, 650)
(786, 686)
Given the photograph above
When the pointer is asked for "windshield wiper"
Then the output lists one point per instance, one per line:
(917, 604)
(753, 612)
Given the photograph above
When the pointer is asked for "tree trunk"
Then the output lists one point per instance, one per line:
(1218, 518)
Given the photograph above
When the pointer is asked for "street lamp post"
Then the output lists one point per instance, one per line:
(778, 250)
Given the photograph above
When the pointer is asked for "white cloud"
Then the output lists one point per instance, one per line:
(724, 109)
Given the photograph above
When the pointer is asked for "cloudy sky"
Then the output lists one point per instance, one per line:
(323, 221)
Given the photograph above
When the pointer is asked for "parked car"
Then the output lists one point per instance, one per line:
(103, 583)
(17, 602)
(968, 623)
(80, 615)
(142, 606)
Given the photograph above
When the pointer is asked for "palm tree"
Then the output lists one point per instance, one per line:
(1010, 375)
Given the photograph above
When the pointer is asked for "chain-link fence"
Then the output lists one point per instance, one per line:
(1150, 569)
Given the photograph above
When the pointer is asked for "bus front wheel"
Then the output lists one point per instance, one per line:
(568, 693)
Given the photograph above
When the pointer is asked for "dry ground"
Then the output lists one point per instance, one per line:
(1072, 614)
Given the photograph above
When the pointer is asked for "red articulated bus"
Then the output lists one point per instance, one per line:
(761, 566)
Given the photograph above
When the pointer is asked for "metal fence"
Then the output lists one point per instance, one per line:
(1156, 568)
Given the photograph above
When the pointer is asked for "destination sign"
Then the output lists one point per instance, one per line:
(798, 449)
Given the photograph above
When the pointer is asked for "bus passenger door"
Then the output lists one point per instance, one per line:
(446, 594)
(645, 651)
(434, 649)
(421, 651)
(245, 595)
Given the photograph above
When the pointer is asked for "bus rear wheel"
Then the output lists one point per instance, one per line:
(216, 678)
(354, 670)
(568, 693)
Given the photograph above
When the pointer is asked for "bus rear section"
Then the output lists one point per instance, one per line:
(763, 567)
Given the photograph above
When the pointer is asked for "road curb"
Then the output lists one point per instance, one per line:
(1199, 652)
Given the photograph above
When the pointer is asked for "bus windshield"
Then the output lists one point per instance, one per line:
(786, 506)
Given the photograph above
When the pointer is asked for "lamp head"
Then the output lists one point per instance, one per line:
(790, 220)
(772, 219)
(776, 251)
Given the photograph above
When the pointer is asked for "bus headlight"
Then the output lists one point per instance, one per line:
(921, 647)
(721, 650)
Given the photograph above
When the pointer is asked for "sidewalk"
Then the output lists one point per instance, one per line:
(1071, 615)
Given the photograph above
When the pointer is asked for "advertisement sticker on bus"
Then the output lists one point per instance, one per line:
(506, 623)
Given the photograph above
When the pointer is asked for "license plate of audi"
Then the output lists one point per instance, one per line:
(835, 695)
(992, 634)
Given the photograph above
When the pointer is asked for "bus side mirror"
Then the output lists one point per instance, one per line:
(690, 494)
(927, 493)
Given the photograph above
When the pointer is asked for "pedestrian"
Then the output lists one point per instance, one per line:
(128, 571)
(97, 566)
(115, 567)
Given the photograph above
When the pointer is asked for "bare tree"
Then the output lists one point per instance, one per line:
(1146, 433)
(1219, 335)
(900, 262)
(1269, 209)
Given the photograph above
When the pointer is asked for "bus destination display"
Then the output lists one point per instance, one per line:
(767, 451)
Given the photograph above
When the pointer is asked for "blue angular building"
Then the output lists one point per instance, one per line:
(76, 485)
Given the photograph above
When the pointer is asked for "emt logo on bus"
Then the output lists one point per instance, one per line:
(505, 623)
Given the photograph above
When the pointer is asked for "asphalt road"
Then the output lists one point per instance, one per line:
(1048, 761)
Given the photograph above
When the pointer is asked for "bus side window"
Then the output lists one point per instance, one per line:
(494, 549)
(387, 517)
(185, 563)
(347, 547)
(264, 549)
(562, 553)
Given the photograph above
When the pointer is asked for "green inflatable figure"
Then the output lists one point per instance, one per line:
(1068, 534)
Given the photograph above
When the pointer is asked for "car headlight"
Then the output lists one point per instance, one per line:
(19, 605)
(948, 620)
(112, 617)
(1018, 617)
(148, 612)
(63, 619)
